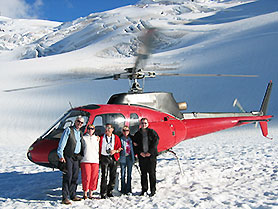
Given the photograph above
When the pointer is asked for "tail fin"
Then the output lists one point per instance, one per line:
(263, 109)
(266, 99)
(263, 126)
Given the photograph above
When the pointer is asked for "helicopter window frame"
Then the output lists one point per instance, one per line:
(70, 120)
(134, 123)
(102, 119)
(63, 122)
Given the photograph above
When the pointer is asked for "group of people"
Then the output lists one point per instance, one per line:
(91, 152)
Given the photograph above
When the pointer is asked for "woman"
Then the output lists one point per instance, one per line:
(90, 162)
(126, 160)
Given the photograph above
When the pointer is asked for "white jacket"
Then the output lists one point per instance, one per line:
(91, 151)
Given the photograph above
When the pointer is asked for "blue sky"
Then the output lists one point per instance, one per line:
(58, 10)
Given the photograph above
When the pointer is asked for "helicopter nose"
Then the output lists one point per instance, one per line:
(29, 155)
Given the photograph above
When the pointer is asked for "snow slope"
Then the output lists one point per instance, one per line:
(235, 168)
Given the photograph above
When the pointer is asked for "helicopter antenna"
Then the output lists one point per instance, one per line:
(70, 105)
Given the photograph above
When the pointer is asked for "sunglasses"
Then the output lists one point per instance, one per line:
(90, 128)
(125, 130)
(79, 121)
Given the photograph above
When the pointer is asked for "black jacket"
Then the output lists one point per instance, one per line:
(153, 139)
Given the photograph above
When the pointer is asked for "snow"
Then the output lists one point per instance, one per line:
(236, 168)
(221, 170)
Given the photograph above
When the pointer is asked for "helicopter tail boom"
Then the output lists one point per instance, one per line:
(215, 121)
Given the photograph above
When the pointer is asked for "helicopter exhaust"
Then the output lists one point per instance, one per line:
(182, 105)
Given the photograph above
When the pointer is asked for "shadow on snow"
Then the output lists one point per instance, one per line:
(37, 186)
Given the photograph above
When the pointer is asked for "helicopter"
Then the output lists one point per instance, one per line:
(165, 115)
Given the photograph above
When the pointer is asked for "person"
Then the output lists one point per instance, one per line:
(90, 162)
(110, 147)
(146, 141)
(126, 160)
(70, 151)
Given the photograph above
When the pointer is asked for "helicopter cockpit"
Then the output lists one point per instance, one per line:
(68, 119)
(118, 121)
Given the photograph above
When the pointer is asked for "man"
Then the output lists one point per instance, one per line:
(145, 142)
(70, 152)
(109, 147)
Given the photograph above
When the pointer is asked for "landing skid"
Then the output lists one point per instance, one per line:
(171, 151)
(137, 167)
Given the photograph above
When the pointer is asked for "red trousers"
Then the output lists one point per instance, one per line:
(89, 174)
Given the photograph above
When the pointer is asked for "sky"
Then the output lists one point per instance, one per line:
(57, 10)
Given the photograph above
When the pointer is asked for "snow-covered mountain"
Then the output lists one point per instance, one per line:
(200, 36)
(117, 28)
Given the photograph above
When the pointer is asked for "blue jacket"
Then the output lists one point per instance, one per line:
(122, 153)
(71, 142)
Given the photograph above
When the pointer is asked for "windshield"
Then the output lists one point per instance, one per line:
(55, 131)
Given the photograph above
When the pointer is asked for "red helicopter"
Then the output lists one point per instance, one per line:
(163, 112)
(164, 116)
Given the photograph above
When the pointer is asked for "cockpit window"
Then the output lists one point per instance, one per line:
(70, 119)
(65, 121)
(116, 119)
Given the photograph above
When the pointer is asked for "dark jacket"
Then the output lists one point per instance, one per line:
(153, 139)
(71, 143)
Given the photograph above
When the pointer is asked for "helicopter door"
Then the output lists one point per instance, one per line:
(170, 125)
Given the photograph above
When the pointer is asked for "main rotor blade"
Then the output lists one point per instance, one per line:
(64, 82)
(27, 88)
(205, 75)
(104, 78)
(56, 83)
(144, 51)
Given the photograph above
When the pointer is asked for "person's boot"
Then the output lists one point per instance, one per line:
(66, 202)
